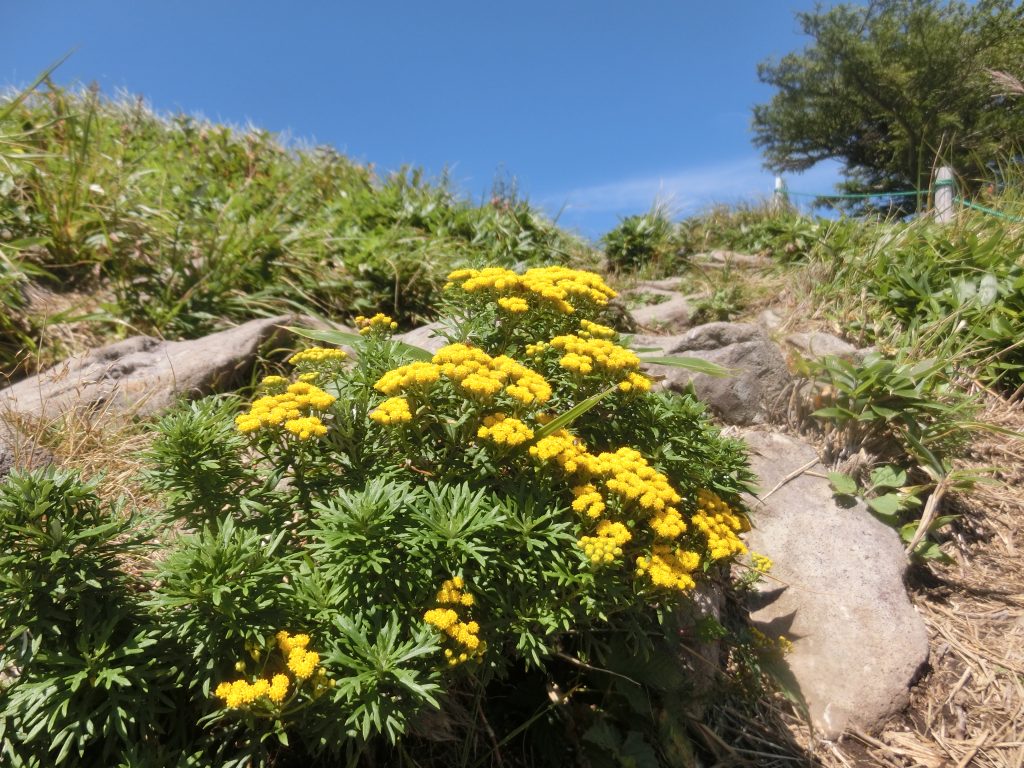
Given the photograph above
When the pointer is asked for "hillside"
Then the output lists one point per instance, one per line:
(516, 486)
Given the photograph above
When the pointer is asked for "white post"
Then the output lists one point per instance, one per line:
(945, 186)
(779, 197)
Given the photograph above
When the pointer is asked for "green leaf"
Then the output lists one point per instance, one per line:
(888, 477)
(842, 484)
(888, 506)
(572, 414)
(834, 412)
(694, 364)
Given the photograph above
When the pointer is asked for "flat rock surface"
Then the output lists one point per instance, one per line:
(142, 374)
(836, 591)
(758, 379)
(424, 337)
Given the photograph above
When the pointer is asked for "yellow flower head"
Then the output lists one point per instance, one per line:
(379, 323)
(394, 410)
(318, 356)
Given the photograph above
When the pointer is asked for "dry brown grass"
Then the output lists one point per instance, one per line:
(101, 443)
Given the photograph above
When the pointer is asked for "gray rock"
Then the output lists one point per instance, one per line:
(701, 658)
(671, 315)
(425, 337)
(815, 345)
(770, 319)
(759, 376)
(142, 374)
(665, 285)
(19, 451)
(836, 591)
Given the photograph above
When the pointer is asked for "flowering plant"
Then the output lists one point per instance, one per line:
(434, 529)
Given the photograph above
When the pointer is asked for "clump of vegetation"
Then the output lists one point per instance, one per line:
(646, 242)
(378, 550)
(184, 226)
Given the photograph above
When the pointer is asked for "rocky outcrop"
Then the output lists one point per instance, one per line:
(141, 375)
(758, 374)
(835, 591)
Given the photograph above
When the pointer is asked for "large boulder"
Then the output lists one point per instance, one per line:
(141, 374)
(836, 591)
(758, 380)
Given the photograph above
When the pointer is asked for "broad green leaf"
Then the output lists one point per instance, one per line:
(888, 506)
(843, 484)
(888, 477)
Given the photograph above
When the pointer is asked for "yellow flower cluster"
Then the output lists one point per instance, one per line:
(288, 408)
(667, 524)
(379, 322)
(298, 659)
(514, 304)
(301, 662)
(606, 544)
(563, 449)
(451, 593)
(633, 479)
(394, 410)
(273, 382)
(306, 427)
(417, 374)
(550, 286)
(241, 693)
(761, 563)
(625, 472)
(503, 430)
(583, 355)
(466, 634)
(626, 476)
(669, 567)
(589, 330)
(317, 355)
(484, 376)
(588, 500)
(635, 381)
(762, 642)
(719, 524)
(533, 350)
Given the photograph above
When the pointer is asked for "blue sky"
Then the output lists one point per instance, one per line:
(597, 108)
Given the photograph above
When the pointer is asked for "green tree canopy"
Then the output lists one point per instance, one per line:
(892, 89)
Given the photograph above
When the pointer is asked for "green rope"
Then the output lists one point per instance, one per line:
(989, 211)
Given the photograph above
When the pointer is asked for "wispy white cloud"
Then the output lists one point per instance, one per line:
(679, 190)
(683, 190)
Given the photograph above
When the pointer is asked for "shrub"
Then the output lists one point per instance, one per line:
(404, 533)
(86, 677)
(641, 242)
